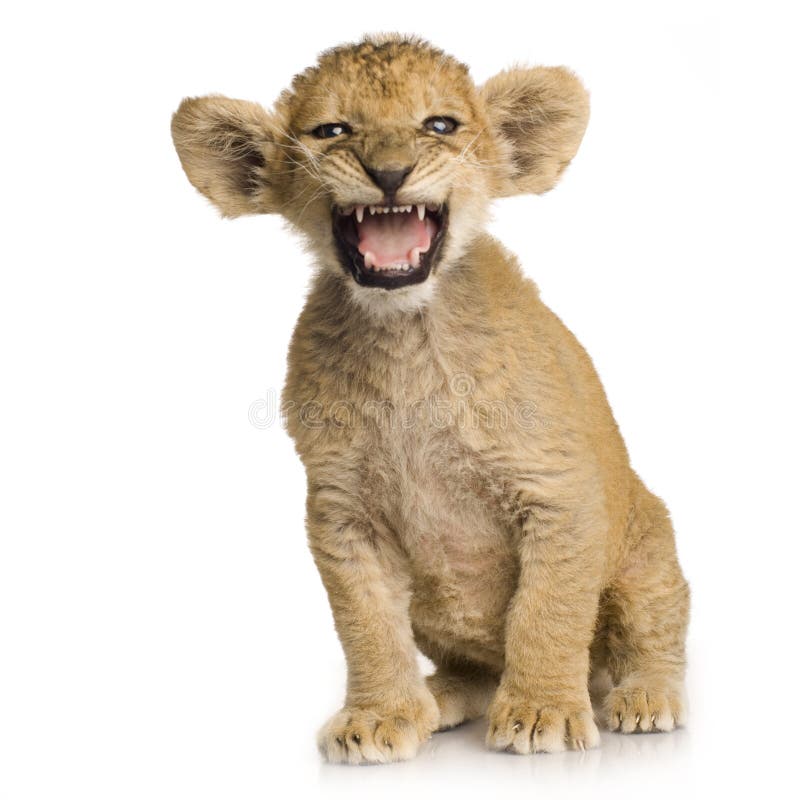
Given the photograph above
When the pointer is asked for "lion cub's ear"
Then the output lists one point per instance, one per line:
(227, 149)
(540, 116)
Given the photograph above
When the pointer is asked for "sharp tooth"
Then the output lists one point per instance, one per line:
(360, 213)
(421, 211)
(407, 209)
(372, 209)
(369, 259)
(415, 257)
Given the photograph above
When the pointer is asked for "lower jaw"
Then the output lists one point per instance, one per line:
(385, 279)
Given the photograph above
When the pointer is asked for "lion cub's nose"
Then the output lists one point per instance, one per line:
(388, 180)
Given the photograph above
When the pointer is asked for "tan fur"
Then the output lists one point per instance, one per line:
(469, 493)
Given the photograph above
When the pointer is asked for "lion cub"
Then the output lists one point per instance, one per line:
(469, 493)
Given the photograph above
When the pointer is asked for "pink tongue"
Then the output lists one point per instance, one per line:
(391, 237)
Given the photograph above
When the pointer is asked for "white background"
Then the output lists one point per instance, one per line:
(163, 631)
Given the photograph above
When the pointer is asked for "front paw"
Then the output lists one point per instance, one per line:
(521, 724)
(364, 735)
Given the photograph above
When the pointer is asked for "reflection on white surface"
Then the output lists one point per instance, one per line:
(459, 757)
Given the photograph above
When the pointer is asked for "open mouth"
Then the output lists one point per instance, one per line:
(389, 246)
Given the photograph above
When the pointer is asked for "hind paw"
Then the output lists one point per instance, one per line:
(638, 708)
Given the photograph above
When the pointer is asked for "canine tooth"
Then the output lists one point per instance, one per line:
(369, 259)
(421, 211)
(360, 213)
(415, 257)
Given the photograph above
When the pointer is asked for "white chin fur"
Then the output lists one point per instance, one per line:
(380, 302)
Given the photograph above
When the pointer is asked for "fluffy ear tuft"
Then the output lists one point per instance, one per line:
(540, 116)
(226, 148)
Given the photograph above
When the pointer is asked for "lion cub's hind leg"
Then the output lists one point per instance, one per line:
(645, 613)
(462, 694)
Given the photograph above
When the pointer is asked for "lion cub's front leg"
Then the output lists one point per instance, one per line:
(542, 703)
(388, 710)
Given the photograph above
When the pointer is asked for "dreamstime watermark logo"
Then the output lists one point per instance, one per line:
(460, 407)
(265, 412)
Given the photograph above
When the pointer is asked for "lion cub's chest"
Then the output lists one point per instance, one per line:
(445, 514)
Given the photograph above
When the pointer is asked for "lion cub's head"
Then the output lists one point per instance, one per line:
(385, 155)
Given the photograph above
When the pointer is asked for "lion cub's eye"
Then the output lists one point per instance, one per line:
(331, 129)
(441, 124)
